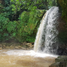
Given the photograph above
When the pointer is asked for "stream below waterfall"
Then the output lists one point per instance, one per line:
(24, 58)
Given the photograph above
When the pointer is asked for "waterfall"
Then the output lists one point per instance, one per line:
(46, 39)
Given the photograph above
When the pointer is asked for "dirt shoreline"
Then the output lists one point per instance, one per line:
(23, 46)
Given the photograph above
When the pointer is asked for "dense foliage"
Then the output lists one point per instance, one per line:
(19, 19)
(63, 7)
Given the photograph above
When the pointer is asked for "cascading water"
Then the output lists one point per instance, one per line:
(46, 39)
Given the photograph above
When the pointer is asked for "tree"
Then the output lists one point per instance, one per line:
(63, 6)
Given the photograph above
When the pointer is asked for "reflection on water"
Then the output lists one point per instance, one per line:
(23, 60)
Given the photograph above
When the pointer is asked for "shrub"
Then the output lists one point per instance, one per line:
(28, 22)
(7, 28)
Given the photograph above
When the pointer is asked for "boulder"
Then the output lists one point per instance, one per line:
(54, 65)
(0, 48)
(61, 61)
(62, 50)
(29, 46)
(62, 37)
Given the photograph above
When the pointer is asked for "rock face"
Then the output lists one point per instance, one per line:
(62, 31)
(61, 61)
(23, 46)
(62, 50)
(62, 36)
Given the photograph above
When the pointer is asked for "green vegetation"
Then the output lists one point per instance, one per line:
(63, 7)
(19, 19)
(27, 24)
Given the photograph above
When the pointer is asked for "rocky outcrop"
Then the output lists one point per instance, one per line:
(62, 36)
(62, 31)
(23, 46)
(0, 46)
(61, 61)
(62, 50)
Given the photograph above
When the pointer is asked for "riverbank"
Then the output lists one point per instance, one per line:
(16, 45)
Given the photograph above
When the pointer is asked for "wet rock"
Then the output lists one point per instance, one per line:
(0, 48)
(62, 50)
(17, 47)
(23, 46)
(29, 46)
(62, 37)
(7, 47)
(24, 43)
(55, 65)
(61, 61)
(12, 47)
(4, 46)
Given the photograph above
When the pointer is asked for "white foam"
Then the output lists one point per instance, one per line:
(28, 53)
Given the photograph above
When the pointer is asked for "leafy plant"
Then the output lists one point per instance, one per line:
(7, 28)
(3, 26)
(28, 22)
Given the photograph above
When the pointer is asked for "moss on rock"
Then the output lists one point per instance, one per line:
(63, 5)
(63, 32)
(61, 61)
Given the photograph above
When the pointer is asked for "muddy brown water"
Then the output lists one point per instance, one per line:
(24, 61)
